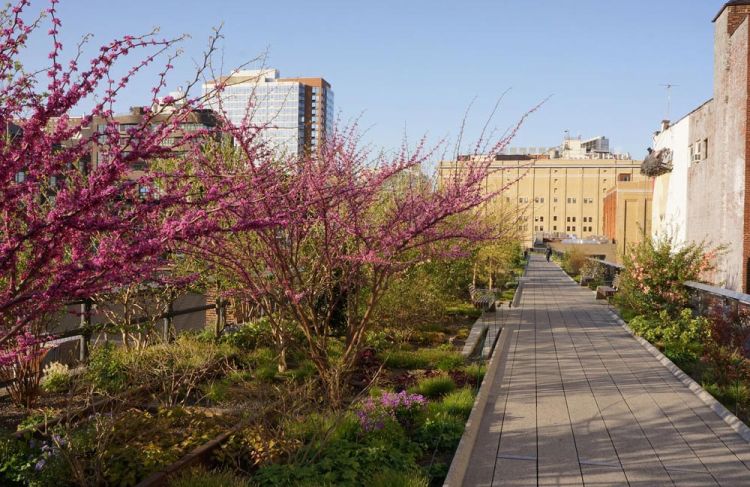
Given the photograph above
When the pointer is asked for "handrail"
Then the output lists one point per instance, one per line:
(718, 291)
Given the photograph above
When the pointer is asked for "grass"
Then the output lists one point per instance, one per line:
(199, 477)
(393, 478)
(457, 403)
(475, 370)
(430, 358)
(435, 387)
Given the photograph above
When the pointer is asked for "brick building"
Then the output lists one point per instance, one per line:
(699, 190)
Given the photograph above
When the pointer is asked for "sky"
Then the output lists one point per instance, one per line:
(412, 69)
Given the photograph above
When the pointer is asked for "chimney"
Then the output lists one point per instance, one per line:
(664, 125)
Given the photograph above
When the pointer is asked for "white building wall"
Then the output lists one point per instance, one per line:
(669, 211)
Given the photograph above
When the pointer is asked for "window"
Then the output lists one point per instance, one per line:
(541, 228)
(568, 228)
(541, 218)
(623, 177)
(574, 228)
(568, 220)
(554, 218)
(554, 228)
(554, 200)
(574, 219)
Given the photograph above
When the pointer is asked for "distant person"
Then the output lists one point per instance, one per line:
(525, 254)
(548, 253)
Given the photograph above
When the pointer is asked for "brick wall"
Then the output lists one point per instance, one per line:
(737, 15)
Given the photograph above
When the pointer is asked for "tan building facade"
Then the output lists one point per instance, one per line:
(556, 197)
(627, 214)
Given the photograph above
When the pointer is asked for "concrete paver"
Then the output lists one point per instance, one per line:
(580, 402)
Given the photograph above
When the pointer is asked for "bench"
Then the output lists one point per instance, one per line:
(606, 292)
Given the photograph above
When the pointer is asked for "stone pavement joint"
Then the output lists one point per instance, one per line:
(581, 402)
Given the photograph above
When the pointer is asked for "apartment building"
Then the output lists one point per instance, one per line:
(296, 113)
(558, 193)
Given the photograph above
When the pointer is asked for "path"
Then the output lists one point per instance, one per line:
(578, 401)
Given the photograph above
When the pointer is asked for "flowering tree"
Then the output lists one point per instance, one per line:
(72, 226)
(351, 224)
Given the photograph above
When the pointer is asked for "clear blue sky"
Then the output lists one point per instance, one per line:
(415, 66)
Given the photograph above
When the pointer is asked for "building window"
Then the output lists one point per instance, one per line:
(574, 228)
(554, 228)
(623, 177)
(554, 200)
(568, 220)
(574, 219)
(554, 218)
(568, 228)
(541, 218)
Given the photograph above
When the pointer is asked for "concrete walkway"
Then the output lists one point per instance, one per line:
(578, 401)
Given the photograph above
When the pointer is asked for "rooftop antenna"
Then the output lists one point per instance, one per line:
(669, 87)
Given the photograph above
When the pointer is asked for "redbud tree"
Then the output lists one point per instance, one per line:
(71, 226)
(351, 222)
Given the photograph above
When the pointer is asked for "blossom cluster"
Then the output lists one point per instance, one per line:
(374, 413)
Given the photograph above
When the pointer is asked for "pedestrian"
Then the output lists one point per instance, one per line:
(525, 254)
(548, 253)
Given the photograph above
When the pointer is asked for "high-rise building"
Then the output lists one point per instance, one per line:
(296, 112)
(558, 193)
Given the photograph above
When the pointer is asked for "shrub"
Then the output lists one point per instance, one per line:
(654, 274)
(441, 431)
(573, 261)
(250, 336)
(434, 387)
(394, 478)
(107, 370)
(56, 378)
(682, 337)
(464, 309)
(457, 403)
(200, 477)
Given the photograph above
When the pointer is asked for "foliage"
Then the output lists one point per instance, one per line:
(57, 378)
(496, 261)
(441, 431)
(463, 309)
(573, 261)
(654, 274)
(435, 387)
(458, 403)
(30, 462)
(402, 407)
(107, 369)
(682, 337)
(730, 328)
(250, 336)
(200, 477)
(426, 358)
(123, 449)
(394, 478)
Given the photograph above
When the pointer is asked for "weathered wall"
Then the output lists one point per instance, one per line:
(717, 184)
(670, 198)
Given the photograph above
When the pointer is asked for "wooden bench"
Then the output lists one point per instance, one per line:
(606, 292)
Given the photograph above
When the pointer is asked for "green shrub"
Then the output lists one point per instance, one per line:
(216, 391)
(250, 336)
(394, 478)
(457, 403)
(266, 373)
(399, 359)
(57, 378)
(435, 387)
(200, 477)
(441, 431)
(682, 337)
(107, 369)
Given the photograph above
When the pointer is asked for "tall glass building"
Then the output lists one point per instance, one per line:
(296, 112)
